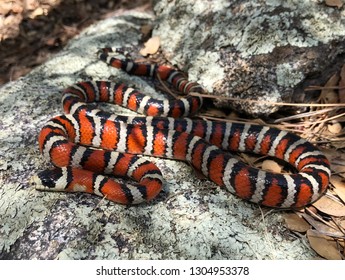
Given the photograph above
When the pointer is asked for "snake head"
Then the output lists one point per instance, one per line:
(47, 179)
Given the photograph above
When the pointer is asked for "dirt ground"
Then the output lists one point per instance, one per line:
(32, 30)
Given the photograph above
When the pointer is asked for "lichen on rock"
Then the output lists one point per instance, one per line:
(252, 45)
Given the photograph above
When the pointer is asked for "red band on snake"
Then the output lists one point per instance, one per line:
(87, 144)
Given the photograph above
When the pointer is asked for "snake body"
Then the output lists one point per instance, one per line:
(86, 144)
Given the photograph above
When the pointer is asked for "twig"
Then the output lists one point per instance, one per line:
(311, 213)
(312, 88)
(267, 102)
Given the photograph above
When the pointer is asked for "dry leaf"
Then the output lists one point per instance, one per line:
(338, 244)
(146, 29)
(342, 85)
(330, 206)
(38, 12)
(271, 165)
(341, 224)
(339, 186)
(233, 116)
(323, 247)
(312, 209)
(151, 46)
(295, 223)
(217, 113)
(334, 3)
(323, 228)
(337, 158)
(339, 144)
(248, 159)
(334, 128)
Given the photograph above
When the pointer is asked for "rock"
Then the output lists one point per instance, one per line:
(250, 50)
(191, 218)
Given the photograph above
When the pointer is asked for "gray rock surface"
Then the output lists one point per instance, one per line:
(191, 218)
(259, 50)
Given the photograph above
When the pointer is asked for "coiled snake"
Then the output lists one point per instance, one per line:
(86, 144)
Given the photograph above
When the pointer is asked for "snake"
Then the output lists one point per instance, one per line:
(103, 153)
